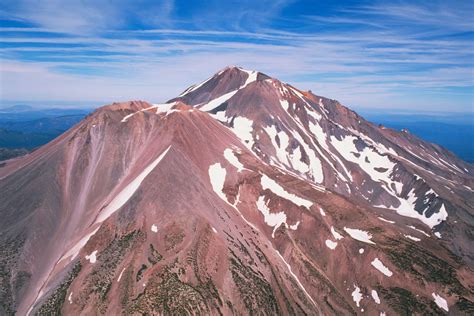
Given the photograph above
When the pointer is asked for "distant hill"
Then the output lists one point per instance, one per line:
(25, 127)
(46, 125)
(6, 153)
(14, 139)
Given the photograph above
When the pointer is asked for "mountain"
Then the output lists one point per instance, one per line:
(243, 195)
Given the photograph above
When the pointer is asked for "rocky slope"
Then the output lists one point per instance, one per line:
(243, 195)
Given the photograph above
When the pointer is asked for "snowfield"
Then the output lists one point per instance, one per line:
(323, 213)
(359, 235)
(357, 295)
(381, 267)
(123, 196)
(120, 275)
(441, 302)
(331, 244)
(379, 168)
(74, 251)
(243, 129)
(386, 220)
(375, 296)
(268, 183)
(336, 235)
(274, 220)
(230, 156)
(92, 257)
(412, 238)
(217, 175)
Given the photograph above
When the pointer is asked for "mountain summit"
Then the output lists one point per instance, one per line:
(243, 195)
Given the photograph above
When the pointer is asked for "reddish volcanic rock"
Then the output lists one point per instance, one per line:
(243, 195)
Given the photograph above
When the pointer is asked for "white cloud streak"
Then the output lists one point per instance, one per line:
(371, 65)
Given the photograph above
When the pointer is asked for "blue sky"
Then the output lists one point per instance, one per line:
(403, 55)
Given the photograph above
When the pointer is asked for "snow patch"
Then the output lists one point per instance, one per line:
(386, 220)
(331, 244)
(379, 167)
(323, 213)
(419, 230)
(346, 147)
(321, 138)
(92, 257)
(359, 235)
(154, 228)
(407, 208)
(314, 114)
(296, 278)
(127, 117)
(120, 275)
(268, 183)
(217, 176)
(412, 238)
(172, 111)
(70, 298)
(295, 226)
(251, 78)
(164, 108)
(321, 104)
(295, 160)
(437, 234)
(357, 295)
(160, 108)
(237, 198)
(336, 235)
(220, 116)
(214, 230)
(441, 302)
(121, 198)
(375, 296)
(280, 149)
(194, 87)
(211, 105)
(315, 166)
(274, 220)
(233, 160)
(242, 128)
(380, 266)
(74, 251)
(361, 250)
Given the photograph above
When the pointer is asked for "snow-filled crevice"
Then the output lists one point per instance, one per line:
(123, 196)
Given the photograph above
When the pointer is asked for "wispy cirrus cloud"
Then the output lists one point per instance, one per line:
(439, 15)
(376, 55)
(87, 16)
